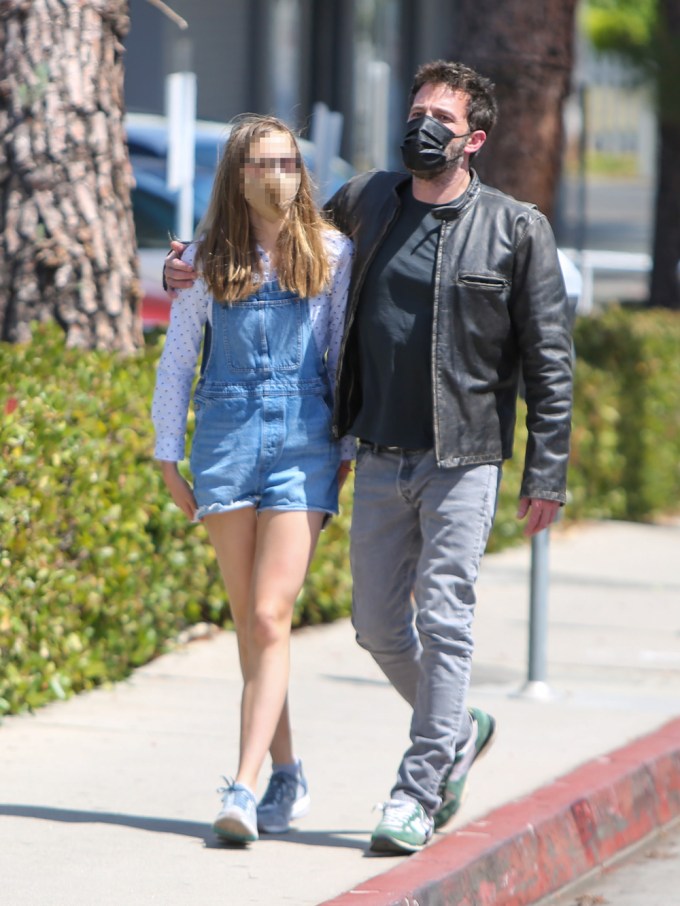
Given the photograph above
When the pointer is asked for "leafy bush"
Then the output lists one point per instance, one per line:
(98, 568)
(625, 460)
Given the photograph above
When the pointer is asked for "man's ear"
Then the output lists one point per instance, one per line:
(475, 142)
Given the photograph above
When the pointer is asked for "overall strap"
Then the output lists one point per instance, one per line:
(207, 342)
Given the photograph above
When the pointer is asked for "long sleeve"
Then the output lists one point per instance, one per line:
(328, 316)
(339, 295)
(337, 305)
(542, 321)
(177, 367)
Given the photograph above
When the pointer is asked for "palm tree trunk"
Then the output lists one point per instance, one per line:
(527, 49)
(67, 246)
(665, 283)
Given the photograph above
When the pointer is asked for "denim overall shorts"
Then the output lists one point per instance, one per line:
(263, 410)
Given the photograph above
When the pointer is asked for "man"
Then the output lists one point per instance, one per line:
(455, 287)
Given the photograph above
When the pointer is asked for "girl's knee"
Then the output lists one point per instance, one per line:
(268, 628)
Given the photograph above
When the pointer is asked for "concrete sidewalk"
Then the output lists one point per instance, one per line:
(108, 798)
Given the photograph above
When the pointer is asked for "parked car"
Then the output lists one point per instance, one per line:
(154, 205)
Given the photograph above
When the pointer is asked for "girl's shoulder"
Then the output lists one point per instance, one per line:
(338, 246)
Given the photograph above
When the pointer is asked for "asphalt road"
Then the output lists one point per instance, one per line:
(618, 216)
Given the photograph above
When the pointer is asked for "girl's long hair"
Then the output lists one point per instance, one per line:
(227, 253)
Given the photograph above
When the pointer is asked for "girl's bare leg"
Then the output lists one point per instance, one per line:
(263, 561)
(235, 549)
(285, 543)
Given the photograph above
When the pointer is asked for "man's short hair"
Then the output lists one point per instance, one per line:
(482, 109)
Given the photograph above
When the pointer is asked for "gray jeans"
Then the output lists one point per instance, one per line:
(418, 535)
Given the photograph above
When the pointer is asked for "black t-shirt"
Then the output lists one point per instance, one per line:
(395, 332)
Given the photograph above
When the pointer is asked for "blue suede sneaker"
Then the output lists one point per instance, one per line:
(286, 798)
(453, 785)
(237, 819)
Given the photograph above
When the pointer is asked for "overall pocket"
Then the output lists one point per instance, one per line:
(264, 335)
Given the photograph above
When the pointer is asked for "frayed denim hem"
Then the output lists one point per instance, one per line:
(215, 508)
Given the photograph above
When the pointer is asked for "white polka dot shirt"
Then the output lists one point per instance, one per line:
(193, 307)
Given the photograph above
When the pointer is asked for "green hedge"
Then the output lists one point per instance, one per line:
(98, 569)
(625, 461)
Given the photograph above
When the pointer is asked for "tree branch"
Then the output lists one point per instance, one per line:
(170, 13)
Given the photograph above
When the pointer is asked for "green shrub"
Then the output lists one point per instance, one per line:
(327, 593)
(625, 461)
(98, 568)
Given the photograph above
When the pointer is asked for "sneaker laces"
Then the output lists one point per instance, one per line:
(282, 787)
(242, 796)
(228, 784)
(395, 812)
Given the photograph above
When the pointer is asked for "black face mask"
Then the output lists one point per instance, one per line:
(424, 147)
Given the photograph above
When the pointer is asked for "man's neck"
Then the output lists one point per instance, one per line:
(443, 189)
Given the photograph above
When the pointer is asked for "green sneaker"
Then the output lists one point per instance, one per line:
(404, 828)
(453, 784)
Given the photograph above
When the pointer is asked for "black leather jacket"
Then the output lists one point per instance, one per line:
(499, 304)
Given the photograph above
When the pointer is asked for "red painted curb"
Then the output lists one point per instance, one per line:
(531, 847)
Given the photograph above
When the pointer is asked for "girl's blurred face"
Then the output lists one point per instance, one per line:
(271, 175)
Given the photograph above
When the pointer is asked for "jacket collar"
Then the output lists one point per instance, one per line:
(445, 211)
(455, 208)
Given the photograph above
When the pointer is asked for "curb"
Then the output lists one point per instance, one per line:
(535, 845)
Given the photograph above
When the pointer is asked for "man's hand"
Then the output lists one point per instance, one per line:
(541, 513)
(177, 273)
(180, 490)
(343, 471)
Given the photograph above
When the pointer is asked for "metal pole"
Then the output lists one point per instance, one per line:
(378, 82)
(326, 136)
(536, 686)
(181, 107)
(582, 198)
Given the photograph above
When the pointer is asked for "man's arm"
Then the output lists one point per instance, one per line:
(542, 513)
(542, 323)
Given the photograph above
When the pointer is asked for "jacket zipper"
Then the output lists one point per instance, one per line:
(435, 334)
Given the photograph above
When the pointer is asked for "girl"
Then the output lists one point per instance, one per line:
(266, 471)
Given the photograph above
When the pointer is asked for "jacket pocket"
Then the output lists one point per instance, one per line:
(484, 281)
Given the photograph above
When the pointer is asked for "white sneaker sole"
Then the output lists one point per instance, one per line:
(386, 845)
(232, 826)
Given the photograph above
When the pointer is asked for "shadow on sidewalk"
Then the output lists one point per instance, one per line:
(333, 838)
(141, 822)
